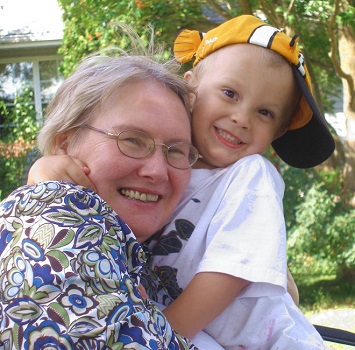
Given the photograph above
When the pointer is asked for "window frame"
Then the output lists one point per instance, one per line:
(36, 80)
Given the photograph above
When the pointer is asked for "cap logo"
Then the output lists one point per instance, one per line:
(212, 40)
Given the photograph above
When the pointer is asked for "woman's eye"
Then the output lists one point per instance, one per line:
(231, 94)
(178, 152)
(133, 142)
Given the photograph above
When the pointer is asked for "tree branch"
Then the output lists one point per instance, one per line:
(334, 51)
(246, 7)
(289, 9)
(268, 9)
(218, 9)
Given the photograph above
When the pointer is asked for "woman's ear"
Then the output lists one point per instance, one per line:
(192, 100)
(61, 144)
(190, 79)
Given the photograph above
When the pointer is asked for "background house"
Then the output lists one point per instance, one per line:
(30, 35)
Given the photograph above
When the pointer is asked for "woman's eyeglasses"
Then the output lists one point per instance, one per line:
(138, 144)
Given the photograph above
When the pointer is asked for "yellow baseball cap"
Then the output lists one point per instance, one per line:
(308, 141)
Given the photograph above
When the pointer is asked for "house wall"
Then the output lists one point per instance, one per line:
(30, 36)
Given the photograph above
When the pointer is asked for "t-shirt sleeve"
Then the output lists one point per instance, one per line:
(246, 236)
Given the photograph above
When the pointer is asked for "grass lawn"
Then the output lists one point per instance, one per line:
(323, 297)
(322, 292)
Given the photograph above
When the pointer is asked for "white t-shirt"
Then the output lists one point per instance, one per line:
(231, 221)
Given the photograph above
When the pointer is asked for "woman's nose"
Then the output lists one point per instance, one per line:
(155, 166)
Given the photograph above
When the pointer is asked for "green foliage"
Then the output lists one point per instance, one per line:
(312, 21)
(323, 229)
(91, 25)
(17, 140)
(319, 290)
(298, 182)
(313, 216)
(341, 245)
(320, 227)
(21, 120)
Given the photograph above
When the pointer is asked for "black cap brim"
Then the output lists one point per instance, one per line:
(309, 145)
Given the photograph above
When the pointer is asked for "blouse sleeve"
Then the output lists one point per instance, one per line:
(69, 275)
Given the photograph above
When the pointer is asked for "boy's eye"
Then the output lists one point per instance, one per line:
(266, 113)
(231, 94)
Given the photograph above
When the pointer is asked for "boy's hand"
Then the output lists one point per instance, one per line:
(60, 167)
(142, 291)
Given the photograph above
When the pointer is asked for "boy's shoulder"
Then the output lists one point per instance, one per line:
(255, 167)
(254, 161)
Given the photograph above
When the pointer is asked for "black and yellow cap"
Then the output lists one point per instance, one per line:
(308, 141)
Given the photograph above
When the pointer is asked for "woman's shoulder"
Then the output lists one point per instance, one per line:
(42, 189)
(49, 191)
(64, 212)
(60, 203)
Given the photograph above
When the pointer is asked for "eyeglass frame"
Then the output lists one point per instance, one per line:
(165, 147)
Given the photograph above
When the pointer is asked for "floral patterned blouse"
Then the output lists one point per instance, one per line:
(69, 275)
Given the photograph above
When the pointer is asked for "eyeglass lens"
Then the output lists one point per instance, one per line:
(137, 144)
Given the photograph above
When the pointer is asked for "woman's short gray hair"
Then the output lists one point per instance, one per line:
(95, 79)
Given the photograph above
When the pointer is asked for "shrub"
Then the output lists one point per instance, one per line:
(17, 140)
(323, 230)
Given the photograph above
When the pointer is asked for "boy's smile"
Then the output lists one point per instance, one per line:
(227, 138)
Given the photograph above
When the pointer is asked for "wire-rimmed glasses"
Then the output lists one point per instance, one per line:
(138, 144)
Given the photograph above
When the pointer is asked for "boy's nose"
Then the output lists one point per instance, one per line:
(242, 119)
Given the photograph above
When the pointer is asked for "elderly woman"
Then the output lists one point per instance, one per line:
(69, 265)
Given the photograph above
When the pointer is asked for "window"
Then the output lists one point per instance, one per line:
(26, 87)
(38, 78)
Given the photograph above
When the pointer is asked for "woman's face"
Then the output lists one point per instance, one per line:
(156, 187)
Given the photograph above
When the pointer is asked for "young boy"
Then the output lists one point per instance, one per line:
(225, 247)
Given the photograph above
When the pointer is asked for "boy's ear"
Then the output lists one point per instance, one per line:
(188, 77)
(280, 133)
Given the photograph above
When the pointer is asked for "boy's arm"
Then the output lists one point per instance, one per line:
(204, 298)
(60, 167)
(292, 288)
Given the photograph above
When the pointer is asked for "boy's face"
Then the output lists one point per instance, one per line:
(244, 102)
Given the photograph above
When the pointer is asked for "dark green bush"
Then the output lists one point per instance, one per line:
(324, 231)
(17, 140)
